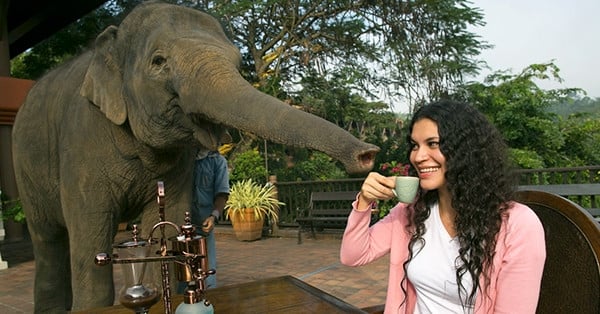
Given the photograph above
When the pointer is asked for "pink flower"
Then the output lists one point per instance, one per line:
(394, 168)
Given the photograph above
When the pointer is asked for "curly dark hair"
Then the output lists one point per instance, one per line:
(480, 182)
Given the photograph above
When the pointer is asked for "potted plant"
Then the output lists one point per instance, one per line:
(247, 207)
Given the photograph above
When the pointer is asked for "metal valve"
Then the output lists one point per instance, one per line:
(102, 259)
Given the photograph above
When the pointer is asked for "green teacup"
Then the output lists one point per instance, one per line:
(406, 188)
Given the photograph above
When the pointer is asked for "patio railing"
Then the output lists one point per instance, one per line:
(296, 195)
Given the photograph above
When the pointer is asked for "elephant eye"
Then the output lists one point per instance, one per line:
(158, 60)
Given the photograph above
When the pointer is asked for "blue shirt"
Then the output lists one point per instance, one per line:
(210, 179)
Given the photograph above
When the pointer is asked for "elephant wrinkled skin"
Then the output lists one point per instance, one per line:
(96, 134)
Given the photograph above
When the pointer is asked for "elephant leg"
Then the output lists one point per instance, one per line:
(52, 288)
(93, 285)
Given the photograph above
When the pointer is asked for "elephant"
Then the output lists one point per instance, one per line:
(95, 135)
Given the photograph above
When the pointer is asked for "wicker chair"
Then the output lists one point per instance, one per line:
(571, 278)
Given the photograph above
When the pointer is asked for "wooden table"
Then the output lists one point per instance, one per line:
(285, 294)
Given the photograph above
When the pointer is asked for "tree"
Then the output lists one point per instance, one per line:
(369, 121)
(397, 51)
(298, 50)
(67, 43)
(520, 109)
(412, 50)
(417, 49)
(581, 132)
(429, 48)
(249, 165)
(317, 166)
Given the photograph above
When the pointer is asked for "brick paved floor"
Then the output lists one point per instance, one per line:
(314, 261)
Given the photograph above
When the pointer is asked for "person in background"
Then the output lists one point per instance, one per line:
(211, 190)
(463, 245)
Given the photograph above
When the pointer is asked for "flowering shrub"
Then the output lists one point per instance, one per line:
(394, 168)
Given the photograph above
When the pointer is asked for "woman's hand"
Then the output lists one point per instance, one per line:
(375, 187)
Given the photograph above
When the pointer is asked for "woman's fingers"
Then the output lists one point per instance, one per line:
(377, 187)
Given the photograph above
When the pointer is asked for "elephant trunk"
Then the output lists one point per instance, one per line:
(241, 106)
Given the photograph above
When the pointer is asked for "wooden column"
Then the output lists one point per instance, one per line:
(4, 71)
(4, 44)
(12, 95)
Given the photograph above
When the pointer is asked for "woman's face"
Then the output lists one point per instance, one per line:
(426, 156)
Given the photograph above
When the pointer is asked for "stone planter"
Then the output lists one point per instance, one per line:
(15, 231)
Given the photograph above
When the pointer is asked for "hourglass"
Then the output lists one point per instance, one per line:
(136, 294)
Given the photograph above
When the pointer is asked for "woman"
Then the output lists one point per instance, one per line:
(462, 246)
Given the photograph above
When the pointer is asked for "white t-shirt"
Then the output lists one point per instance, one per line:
(432, 271)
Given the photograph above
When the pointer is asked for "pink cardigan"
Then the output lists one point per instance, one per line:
(517, 267)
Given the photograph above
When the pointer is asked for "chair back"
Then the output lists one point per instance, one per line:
(571, 278)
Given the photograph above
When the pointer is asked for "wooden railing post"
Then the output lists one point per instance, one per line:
(275, 224)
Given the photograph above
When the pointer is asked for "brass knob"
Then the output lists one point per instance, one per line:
(102, 259)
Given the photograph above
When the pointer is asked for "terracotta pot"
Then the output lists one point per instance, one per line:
(246, 228)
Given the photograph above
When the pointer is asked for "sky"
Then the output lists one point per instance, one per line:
(524, 32)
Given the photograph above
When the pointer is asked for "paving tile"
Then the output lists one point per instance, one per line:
(315, 261)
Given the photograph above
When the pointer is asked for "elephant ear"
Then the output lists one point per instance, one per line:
(103, 82)
(225, 138)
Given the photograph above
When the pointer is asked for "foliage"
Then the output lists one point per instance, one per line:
(420, 49)
(12, 209)
(63, 45)
(520, 109)
(430, 48)
(249, 165)
(385, 206)
(318, 166)
(373, 122)
(332, 100)
(581, 132)
(424, 42)
(341, 53)
(526, 159)
(368, 49)
(249, 194)
(331, 58)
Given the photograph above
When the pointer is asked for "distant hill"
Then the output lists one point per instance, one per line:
(582, 105)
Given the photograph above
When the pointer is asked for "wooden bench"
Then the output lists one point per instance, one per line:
(327, 210)
(575, 192)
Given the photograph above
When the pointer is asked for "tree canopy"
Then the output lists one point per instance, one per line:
(352, 62)
(521, 110)
(403, 51)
